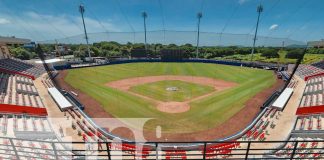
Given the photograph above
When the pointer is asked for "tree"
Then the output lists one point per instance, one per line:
(294, 53)
(22, 53)
(270, 53)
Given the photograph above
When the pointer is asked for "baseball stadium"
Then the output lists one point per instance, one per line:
(76, 86)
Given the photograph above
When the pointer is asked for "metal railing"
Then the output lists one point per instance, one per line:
(13, 148)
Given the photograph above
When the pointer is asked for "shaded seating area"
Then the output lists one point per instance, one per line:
(18, 90)
(22, 67)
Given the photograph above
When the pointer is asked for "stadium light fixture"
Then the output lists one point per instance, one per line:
(144, 15)
(259, 10)
(199, 16)
(82, 10)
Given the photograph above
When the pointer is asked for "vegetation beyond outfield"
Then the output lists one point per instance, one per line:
(206, 113)
(114, 49)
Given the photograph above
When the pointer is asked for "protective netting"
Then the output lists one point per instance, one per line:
(179, 38)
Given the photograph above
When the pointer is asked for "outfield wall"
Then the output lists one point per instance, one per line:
(223, 62)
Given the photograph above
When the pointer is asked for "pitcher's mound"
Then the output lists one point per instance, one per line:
(173, 107)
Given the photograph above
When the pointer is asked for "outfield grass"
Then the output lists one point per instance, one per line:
(204, 114)
(186, 91)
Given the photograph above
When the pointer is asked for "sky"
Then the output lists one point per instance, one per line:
(41, 20)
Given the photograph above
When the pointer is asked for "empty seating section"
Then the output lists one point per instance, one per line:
(293, 83)
(319, 64)
(258, 131)
(175, 154)
(29, 149)
(18, 90)
(22, 67)
(304, 150)
(140, 151)
(11, 123)
(221, 151)
(311, 122)
(313, 93)
(308, 70)
(88, 132)
(47, 82)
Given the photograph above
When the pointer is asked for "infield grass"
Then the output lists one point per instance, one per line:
(204, 114)
(158, 90)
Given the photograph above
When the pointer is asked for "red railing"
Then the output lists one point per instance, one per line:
(15, 109)
(310, 110)
(18, 73)
(315, 75)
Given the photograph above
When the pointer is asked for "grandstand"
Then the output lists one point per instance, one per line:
(42, 119)
(30, 134)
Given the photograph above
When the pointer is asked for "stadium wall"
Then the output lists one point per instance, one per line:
(223, 62)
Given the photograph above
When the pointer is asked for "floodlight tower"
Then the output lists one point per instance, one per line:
(82, 10)
(259, 10)
(199, 16)
(144, 15)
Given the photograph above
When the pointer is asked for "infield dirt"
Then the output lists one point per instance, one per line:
(234, 124)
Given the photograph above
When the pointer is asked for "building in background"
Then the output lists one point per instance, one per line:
(316, 44)
(9, 41)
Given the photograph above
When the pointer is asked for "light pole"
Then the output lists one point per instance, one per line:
(144, 15)
(82, 10)
(199, 15)
(259, 10)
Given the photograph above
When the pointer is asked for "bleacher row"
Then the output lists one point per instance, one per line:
(319, 64)
(312, 96)
(18, 90)
(312, 122)
(85, 129)
(32, 150)
(312, 100)
(307, 70)
(22, 67)
(13, 123)
(47, 82)
(314, 149)
(258, 131)
(314, 92)
(293, 83)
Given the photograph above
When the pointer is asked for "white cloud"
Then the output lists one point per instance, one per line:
(46, 27)
(273, 27)
(4, 21)
(242, 1)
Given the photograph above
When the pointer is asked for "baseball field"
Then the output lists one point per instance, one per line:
(180, 97)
